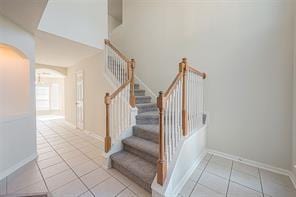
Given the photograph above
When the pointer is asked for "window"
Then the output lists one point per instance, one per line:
(42, 98)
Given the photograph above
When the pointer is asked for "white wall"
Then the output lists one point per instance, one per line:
(246, 49)
(18, 132)
(112, 24)
(95, 87)
(85, 21)
(294, 97)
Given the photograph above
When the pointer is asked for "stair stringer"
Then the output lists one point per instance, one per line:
(117, 146)
(191, 151)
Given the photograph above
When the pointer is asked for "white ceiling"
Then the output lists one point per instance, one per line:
(25, 13)
(115, 9)
(57, 51)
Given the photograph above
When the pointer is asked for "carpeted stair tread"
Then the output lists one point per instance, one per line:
(143, 99)
(134, 167)
(146, 107)
(136, 86)
(139, 92)
(151, 117)
(142, 145)
(148, 132)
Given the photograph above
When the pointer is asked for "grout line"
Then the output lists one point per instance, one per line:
(261, 182)
(68, 166)
(111, 175)
(229, 178)
(42, 176)
(200, 174)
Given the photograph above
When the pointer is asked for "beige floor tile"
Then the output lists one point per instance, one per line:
(202, 191)
(95, 177)
(219, 170)
(202, 165)
(47, 155)
(22, 180)
(276, 178)
(87, 194)
(139, 191)
(35, 188)
(120, 177)
(59, 180)
(276, 190)
(240, 190)
(246, 169)
(221, 161)
(75, 161)
(49, 162)
(213, 182)
(54, 170)
(85, 168)
(127, 193)
(109, 188)
(246, 180)
(74, 188)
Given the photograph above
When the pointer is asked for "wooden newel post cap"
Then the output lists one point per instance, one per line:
(184, 60)
(107, 98)
(204, 75)
(133, 63)
(106, 41)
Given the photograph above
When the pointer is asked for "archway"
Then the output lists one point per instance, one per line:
(14, 82)
(49, 94)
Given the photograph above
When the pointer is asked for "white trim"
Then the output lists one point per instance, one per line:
(18, 165)
(146, 88)
(189, 172)
(256, 164)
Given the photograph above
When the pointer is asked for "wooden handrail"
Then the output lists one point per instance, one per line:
(173, 85)
(119, 89)
(108, 98)
(203, 75)
(107, 42)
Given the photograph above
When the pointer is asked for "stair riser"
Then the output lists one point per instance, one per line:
(139, 92)
(140, 154)
(137, 86)
(131, 176)
(147, 120)
(140, 100)
(144, 109)
(147, 135)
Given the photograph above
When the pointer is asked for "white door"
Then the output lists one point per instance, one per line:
(79, 100)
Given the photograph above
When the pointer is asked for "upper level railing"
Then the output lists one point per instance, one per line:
(181, 112)
(119, 103)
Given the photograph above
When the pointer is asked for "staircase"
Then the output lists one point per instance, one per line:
(138, 158)
(158, 129)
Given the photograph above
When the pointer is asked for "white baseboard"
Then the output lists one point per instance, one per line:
(256, 164)
(17, 166)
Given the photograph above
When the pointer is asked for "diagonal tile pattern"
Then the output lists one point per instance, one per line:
(70, 164)
(219, 177)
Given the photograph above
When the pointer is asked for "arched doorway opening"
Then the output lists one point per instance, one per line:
(50, 98)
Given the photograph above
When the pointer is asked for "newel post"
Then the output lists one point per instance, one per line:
(132, 83)
(161, 163)
(107, 137)
(183, 67)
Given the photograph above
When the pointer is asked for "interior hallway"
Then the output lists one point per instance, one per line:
(69, 164)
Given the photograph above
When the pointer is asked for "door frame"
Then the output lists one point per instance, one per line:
(79, 72)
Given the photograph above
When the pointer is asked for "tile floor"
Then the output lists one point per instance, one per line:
(219, 177)
(69, 164)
